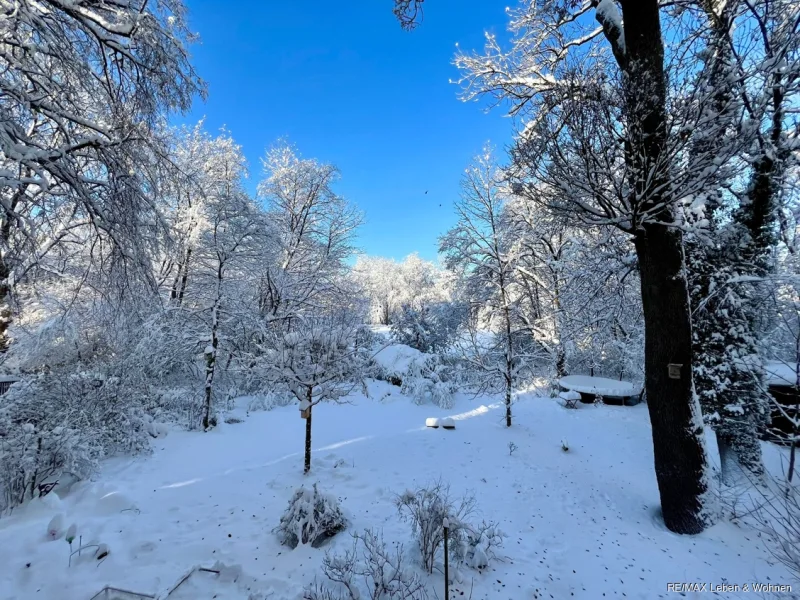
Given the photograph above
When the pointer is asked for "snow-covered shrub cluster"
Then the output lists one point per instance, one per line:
(369, 570)
(429, 379)
(32, 455)
(311, 518)
(428, 328)
(426, 509)
(63, 423)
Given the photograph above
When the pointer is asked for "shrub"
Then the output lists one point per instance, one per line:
(426, 509)
(428, 379)
(58, 423)
(376, 573)
(431, 328)
(31, 455)
(311, 517)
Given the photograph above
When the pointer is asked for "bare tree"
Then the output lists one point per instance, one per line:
(479, 249)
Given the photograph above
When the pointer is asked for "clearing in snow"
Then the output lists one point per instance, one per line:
(581, 518)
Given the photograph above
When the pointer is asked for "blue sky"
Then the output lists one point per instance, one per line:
(344, 83)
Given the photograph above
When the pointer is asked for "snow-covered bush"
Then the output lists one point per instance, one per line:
(431, 328)
(32, 455)
(182, 405)
(480, 545)
(368, 571)
(425, 509)
(429, 379)
(311, 517)
(59, 423)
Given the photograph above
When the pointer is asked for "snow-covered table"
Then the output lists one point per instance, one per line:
(618, 392)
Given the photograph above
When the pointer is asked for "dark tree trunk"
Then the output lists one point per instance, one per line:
(678, 447)
(307, 464)
(680, 457)
(5, 304)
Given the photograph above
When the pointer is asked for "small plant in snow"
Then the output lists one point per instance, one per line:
(369, 570)
(481, 543)
(426, 509)
(72, 531)
(311, 517)
(565, 445)
(511, 447)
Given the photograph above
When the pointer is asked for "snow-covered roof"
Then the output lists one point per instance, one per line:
(781, 373)
(612, 388)
(8, 378)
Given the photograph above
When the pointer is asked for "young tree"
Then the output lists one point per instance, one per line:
(319, 360)
(479, 249)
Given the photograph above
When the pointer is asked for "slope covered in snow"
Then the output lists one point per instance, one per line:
(581, 523)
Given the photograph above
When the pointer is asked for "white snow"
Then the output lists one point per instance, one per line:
(396, 358)
(447, 422)
(599, 385)
(781, 373)
(582, 524)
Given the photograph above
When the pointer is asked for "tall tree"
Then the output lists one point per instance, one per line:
(598, 134)
(479, 249)
(314, 228)
(82, 88)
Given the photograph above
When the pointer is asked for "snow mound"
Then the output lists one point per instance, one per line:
(396, 359)
(432, 422)
(586, 384)
(448, 423)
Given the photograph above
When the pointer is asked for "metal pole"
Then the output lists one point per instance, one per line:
(446, 525)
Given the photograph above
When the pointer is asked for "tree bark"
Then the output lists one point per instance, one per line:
(211, 353)
(307, 464)
(681, 460)
(678, 447)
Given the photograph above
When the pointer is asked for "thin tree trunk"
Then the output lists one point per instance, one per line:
(5, 304)
(509, 374)
(307, 464)
(211, 353)
(185, 276)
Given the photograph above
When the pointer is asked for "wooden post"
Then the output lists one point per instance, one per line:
(446, 525)
(307, 465)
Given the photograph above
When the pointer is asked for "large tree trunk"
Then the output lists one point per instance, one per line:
(678, 446)
(681, 461)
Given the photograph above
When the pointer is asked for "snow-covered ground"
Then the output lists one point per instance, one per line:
(580, 524)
